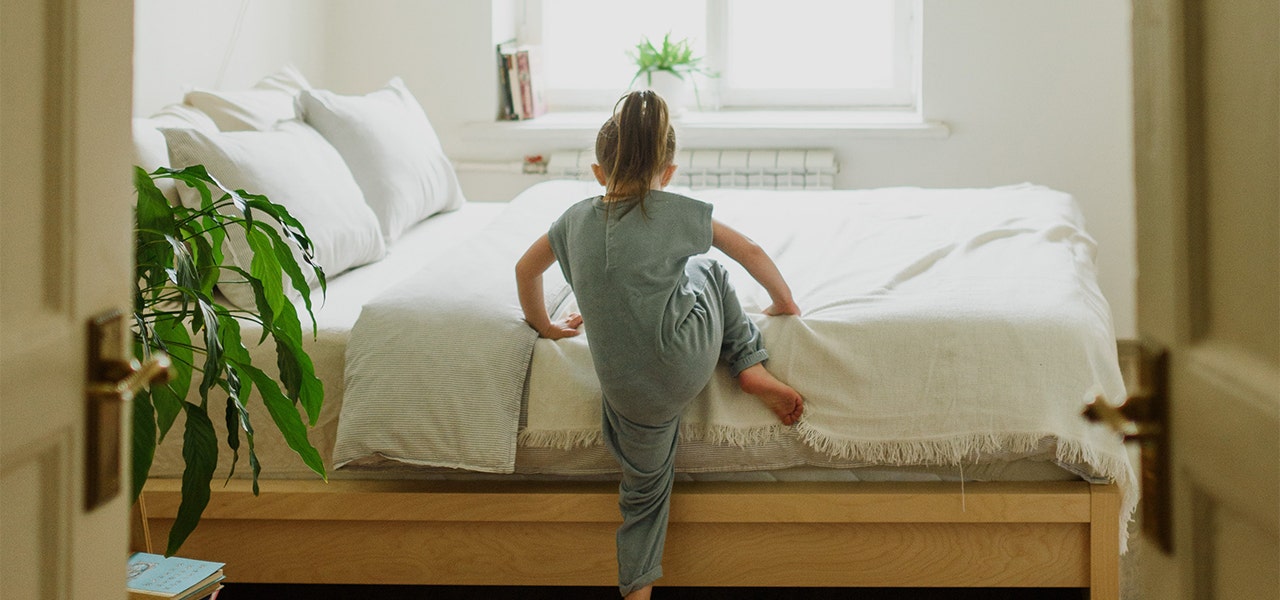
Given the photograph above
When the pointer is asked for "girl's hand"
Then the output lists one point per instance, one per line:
(782, 308)
(566, 327)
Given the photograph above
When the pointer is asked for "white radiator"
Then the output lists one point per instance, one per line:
(713, 168)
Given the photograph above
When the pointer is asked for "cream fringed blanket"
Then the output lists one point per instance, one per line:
(938, 326)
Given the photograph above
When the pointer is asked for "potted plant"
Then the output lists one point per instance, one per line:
(179, 258)
(669, 69)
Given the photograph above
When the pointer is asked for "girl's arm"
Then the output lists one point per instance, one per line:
(529, 269)
(757, 262)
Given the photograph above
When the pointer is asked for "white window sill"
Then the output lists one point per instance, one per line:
(724, 127)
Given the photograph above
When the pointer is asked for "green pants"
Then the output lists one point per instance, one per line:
(642, 432)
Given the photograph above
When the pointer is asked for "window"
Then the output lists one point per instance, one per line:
(768, 54)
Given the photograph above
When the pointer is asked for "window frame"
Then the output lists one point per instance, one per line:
(715, 94)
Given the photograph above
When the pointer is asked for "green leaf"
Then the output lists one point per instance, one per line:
(266, 269)
(207, 262)
(301, 382)
(242, 416)
(183, 272)
(214, 365)
(152, 211)
(144, 442)
(284, 254)
(266, 314)
(200, 452)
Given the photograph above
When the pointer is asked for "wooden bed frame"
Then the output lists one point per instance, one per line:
(1041, 534)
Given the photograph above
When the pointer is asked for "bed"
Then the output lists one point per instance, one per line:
(950, 339)
(1045, 509)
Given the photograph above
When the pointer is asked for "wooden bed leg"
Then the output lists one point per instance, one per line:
(1104, 542)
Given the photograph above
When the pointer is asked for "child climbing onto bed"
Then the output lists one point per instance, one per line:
(661, 315)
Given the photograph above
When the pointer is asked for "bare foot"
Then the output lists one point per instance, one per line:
(781, 398)
(640, 594)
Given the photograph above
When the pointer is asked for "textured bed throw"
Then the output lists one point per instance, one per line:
(436, 365)
(939, 327)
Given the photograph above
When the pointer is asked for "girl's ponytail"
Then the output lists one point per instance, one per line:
(635, 145)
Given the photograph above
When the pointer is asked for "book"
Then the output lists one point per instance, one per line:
(529, 61)
(514, 96)
(152, 576)
(506, 108)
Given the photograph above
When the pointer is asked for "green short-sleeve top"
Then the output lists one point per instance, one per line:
(626, 265)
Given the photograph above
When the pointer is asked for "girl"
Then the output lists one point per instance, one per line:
(661, 315)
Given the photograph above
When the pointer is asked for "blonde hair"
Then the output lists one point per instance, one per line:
(635, 145)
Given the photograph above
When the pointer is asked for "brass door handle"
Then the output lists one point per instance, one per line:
(113, 378)
(1141, 417)
(1132, 419)
(1144, 418)
(125, 379)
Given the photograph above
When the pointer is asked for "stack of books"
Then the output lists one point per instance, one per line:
(152, 576)
(520, 81)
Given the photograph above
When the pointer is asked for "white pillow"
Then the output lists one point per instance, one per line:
(181, 115)
(392, 150)
(269, 101)
(292, 166)
(149, 149)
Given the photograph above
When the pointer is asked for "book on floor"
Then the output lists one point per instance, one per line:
(154, 576)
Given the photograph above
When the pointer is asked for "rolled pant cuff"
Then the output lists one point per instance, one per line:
(648, 578)
(742, 363)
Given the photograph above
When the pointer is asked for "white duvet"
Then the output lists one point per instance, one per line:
(938, 326)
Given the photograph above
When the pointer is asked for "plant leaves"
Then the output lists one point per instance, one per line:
(179, 256)
(286, 418)
(280, 407)
(200, 452)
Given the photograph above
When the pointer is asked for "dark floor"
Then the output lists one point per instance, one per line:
(407, 592)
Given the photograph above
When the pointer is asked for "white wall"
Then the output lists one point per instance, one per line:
(1032, 90)
(183, 44)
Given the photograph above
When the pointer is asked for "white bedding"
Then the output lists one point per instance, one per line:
(938, 325)
(941, 327)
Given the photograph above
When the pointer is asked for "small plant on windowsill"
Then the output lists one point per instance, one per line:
(179, 257)
(668, 68)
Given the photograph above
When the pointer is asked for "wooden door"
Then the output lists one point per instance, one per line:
(65, 255)
(1207, 133)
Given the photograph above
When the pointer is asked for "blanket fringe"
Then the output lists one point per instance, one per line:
(1070, 453)
(560, 440)
(725, 435)
(716, 434)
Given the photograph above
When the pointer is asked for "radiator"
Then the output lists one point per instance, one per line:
(714, 168)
